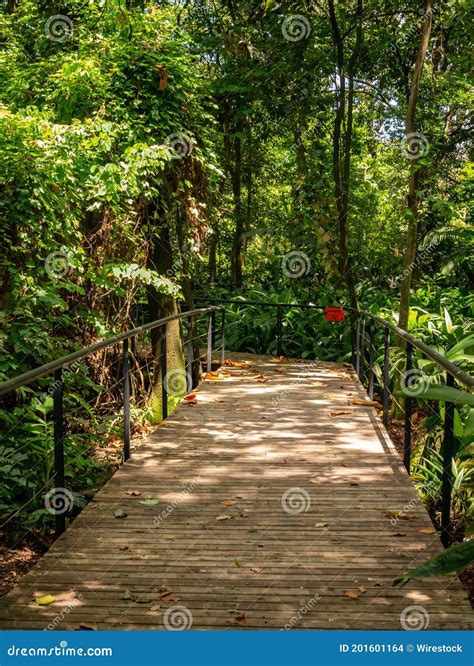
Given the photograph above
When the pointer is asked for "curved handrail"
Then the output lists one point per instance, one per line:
(47, 368)
(459, 374)
(449, 366)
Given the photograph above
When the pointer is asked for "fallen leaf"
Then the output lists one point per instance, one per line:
(229, 502)
(321, 525)
(120, 513)
(169, 597)
(142, 600)
(133, 493)
(365, 403)
(238, 563)
(126, 595)
(362, 589)
(148, 502)
(216, 376)
(124, 548)
(86, 627)
(351, 595)
(241, 619)
(223, 516)
(155, 607)
(314, 480)
(399, 515)
(255, 569)
(45, 600)
(427, 530)
(190, 396)
(339, 413)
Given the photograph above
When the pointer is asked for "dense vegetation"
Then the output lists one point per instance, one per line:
(158, 152)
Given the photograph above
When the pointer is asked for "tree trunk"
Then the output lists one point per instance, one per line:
(415, 175)
(237, 246)
(162, 305)
(342, 147)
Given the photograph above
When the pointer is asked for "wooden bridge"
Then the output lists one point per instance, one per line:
(282, 504)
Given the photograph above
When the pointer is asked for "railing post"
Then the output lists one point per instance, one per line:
(164, 372)
(446, 489)
(189, 356)
(357, 357)
(353, 333)
(209, 343)
(408, 409)
(386, 374)
(126, 402)
(362, 352)
(213, 329)
(223, 338)
(279, 331)
(60, 515)
(370, 389)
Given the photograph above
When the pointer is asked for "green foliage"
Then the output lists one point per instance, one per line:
(455, 558)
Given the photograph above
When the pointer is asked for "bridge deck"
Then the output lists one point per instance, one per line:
(226, 542)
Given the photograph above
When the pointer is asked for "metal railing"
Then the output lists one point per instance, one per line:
(364, 366)
(57, 367)
(362, 359)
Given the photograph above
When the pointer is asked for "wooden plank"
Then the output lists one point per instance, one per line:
(289, 453)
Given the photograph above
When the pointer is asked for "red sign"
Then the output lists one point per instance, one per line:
(334, 314)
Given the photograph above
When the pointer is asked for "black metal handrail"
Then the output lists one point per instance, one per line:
(59, 364)
(358, 359)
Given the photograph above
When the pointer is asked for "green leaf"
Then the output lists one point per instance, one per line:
(120, 513)
(149, 502)
(455, 558)
(444, 393)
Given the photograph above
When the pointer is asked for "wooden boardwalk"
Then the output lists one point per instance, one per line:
(277, 509)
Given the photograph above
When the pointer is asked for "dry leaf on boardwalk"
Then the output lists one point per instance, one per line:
(351, 595)
(366, 403)
(45, 600)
